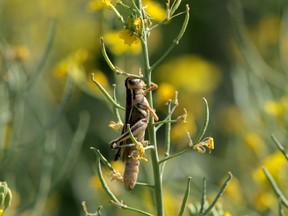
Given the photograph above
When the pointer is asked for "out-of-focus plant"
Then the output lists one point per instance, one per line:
(138, 24)
(5, 197)
(26, 124)
(282, 199)
(259, 79)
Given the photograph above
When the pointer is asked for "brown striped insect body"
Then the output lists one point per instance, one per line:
(137, 116)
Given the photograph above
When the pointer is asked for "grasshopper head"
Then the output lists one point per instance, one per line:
(134, 83)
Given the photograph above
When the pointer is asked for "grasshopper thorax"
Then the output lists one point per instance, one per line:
(134, 83)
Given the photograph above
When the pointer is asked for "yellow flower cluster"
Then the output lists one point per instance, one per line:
(116, 45)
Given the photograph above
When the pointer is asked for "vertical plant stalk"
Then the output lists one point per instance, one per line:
(158, 190)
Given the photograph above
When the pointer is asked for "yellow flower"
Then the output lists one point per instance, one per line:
(94, 5)
(106, 2)
(134, 25)
(118, 47)
(206, 143)
(1, 212)
(139, 153)
(155, 10)
(128, 37)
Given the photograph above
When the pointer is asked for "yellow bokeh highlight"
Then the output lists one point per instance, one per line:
(155, 10)
(172, 203)
(268, 30)
(277, 108)
(165, 92)
(265, 200)
(19, 52)
(72, 66)
(234, 191)
(275, 164)
(117, 45)
(255, 142)
(94, 5)
(191, 73)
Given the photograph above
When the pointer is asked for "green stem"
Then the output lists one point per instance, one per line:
(102, 158)
(205, 124)
(224, 186)
(120, 204)
(116, 109)
(279, 146)
(106, 94)
(175, 155)
(167, 137)
(176, 40)
(275, 187)
(175, 104)
(102, 180)
(158, 191)
(114, 199)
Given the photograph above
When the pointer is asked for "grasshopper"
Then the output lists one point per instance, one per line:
(137, 115)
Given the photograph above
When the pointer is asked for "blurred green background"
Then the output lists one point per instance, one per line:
(234, 53)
